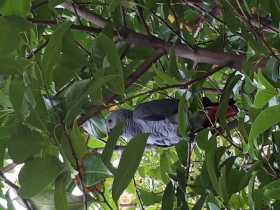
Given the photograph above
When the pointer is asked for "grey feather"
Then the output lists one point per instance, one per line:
(156, 110)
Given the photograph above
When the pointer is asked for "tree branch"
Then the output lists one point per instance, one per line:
(181, 50)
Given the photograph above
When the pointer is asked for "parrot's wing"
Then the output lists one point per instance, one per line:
(156, 110)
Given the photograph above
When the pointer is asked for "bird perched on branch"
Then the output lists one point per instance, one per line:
(159, 119)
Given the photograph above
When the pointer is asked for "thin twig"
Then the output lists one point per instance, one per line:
(35, 51)
(171, 29)
(130, 80)
(142, 19)
(106, 201)
(138, 195)
(16, 188)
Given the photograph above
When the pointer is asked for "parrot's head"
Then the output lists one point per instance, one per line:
(120, 115)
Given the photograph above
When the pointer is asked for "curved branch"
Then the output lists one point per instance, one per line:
(138, 39)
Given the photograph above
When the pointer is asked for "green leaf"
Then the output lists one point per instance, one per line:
(53, 3)
(24, 144)
(211, 164)
(165, 78)
(16, 91)
(202, 139)
(67, 67)
(78, 140)
(182, 151)
(78, 96)
(265, 120)
(60, 196)
(111, 143)
(128, 165)
(272, 190)
(37, 174)
(231, 82)
(168, 197)
(53, 50)
(150, 198)
(172, 68)
(275, 9)
(95, 170)
(46, 201)
(229, 16)
(10, 31)
(112, 63)
(250, 192)
(182, 117)
(12, 65)
(265, 92)
(165, 166)
(15, 7)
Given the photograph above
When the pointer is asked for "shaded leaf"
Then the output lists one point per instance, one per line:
(128, 165)
(78, 140)
(111, 143)
(15, 7)
(53, 50)
(60, 196)
(10, 29)
(272, 190)
(95, 170)
(112, 63)
(168, 197)
(37, 174)
(24, 144)
(182, 117)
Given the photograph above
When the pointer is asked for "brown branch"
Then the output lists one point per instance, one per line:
(35, 51)
(181, 50)
(197, 55)
(144, 67)
(83, 12)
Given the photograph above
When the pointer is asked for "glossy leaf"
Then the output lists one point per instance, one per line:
(128, 165)
(265, 120)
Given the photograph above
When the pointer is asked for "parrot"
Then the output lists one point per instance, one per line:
(158, 118)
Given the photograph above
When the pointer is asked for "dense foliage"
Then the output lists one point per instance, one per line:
(66, 63)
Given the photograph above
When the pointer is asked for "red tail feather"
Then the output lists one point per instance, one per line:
(212, 111)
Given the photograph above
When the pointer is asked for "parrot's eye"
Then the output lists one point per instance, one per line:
(109, 121)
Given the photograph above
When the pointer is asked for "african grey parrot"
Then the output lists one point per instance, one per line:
(159, 119)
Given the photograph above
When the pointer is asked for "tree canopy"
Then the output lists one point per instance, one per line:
(64, 65)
